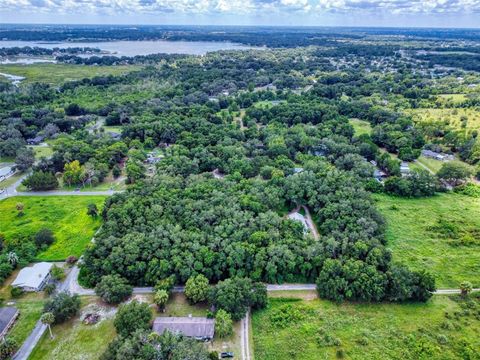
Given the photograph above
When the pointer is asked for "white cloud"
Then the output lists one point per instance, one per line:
(262, 7)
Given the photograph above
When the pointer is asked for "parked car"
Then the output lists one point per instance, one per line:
(226, 355)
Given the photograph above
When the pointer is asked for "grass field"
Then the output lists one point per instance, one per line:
(60, 73)
(41, 151)
(65, 215)
(74, 340)
(452, 117)
(292, 329)
(361, 126)
(440, 234)
(433, 164)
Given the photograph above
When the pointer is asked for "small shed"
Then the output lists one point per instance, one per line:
(33, 278)
(8, 315)
(199, 328)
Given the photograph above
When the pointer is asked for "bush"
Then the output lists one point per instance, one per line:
(468, 189)
(7, 348)
(71, 260)
(223, 324)
(196, 288)
(40, 181)
(57, 273)
(44, 237)
(49, 289)
(63, 306)
(16, 292)
(132, 317)
(113, 289)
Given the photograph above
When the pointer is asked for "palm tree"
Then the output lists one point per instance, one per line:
(12, 258)
(466, 288)
(48, 319)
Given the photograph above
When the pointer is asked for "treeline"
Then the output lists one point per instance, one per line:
(38, 51)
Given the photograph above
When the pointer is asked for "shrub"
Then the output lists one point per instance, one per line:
(71, 260)
(223, 324)
(132, 317)
(113, 289)
(63, 306)
(196, 288)
(44, 237)
(7, 348)
(57, 273)
(16, 292)
(49, 289)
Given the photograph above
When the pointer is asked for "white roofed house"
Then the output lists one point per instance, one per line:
(33, 278)
(296, 216)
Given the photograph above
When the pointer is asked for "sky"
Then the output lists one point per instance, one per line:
(401, 13)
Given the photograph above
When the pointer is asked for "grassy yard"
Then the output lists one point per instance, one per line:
(60, 73)
(319, 329)
(74, 340)
(30, 306)
(433, 164)
(440, 234)
(65, 215)
(361, 126)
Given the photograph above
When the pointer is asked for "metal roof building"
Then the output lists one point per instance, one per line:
(199, 328)
(33, 278)
(8, 315)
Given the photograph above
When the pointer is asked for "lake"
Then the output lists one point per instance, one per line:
(132, 48)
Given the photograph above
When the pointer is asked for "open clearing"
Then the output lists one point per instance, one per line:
(440, 234)
(60, 73)
(360, 126)
(319, 329)
(452, 117)
(66, 216)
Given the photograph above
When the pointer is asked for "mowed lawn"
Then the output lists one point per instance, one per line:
(66, 216)
(296, 329)
(440, 234)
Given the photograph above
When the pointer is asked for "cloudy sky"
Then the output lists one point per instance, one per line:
(418, 13)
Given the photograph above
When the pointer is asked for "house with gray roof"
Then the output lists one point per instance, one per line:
(8, 315)
(199, 328)
(33, 278)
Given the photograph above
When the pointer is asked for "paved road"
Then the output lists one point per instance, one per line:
(244, 328)
(27, 347)
(11, 191)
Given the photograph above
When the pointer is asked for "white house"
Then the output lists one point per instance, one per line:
(296, 216)
(33, 278)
